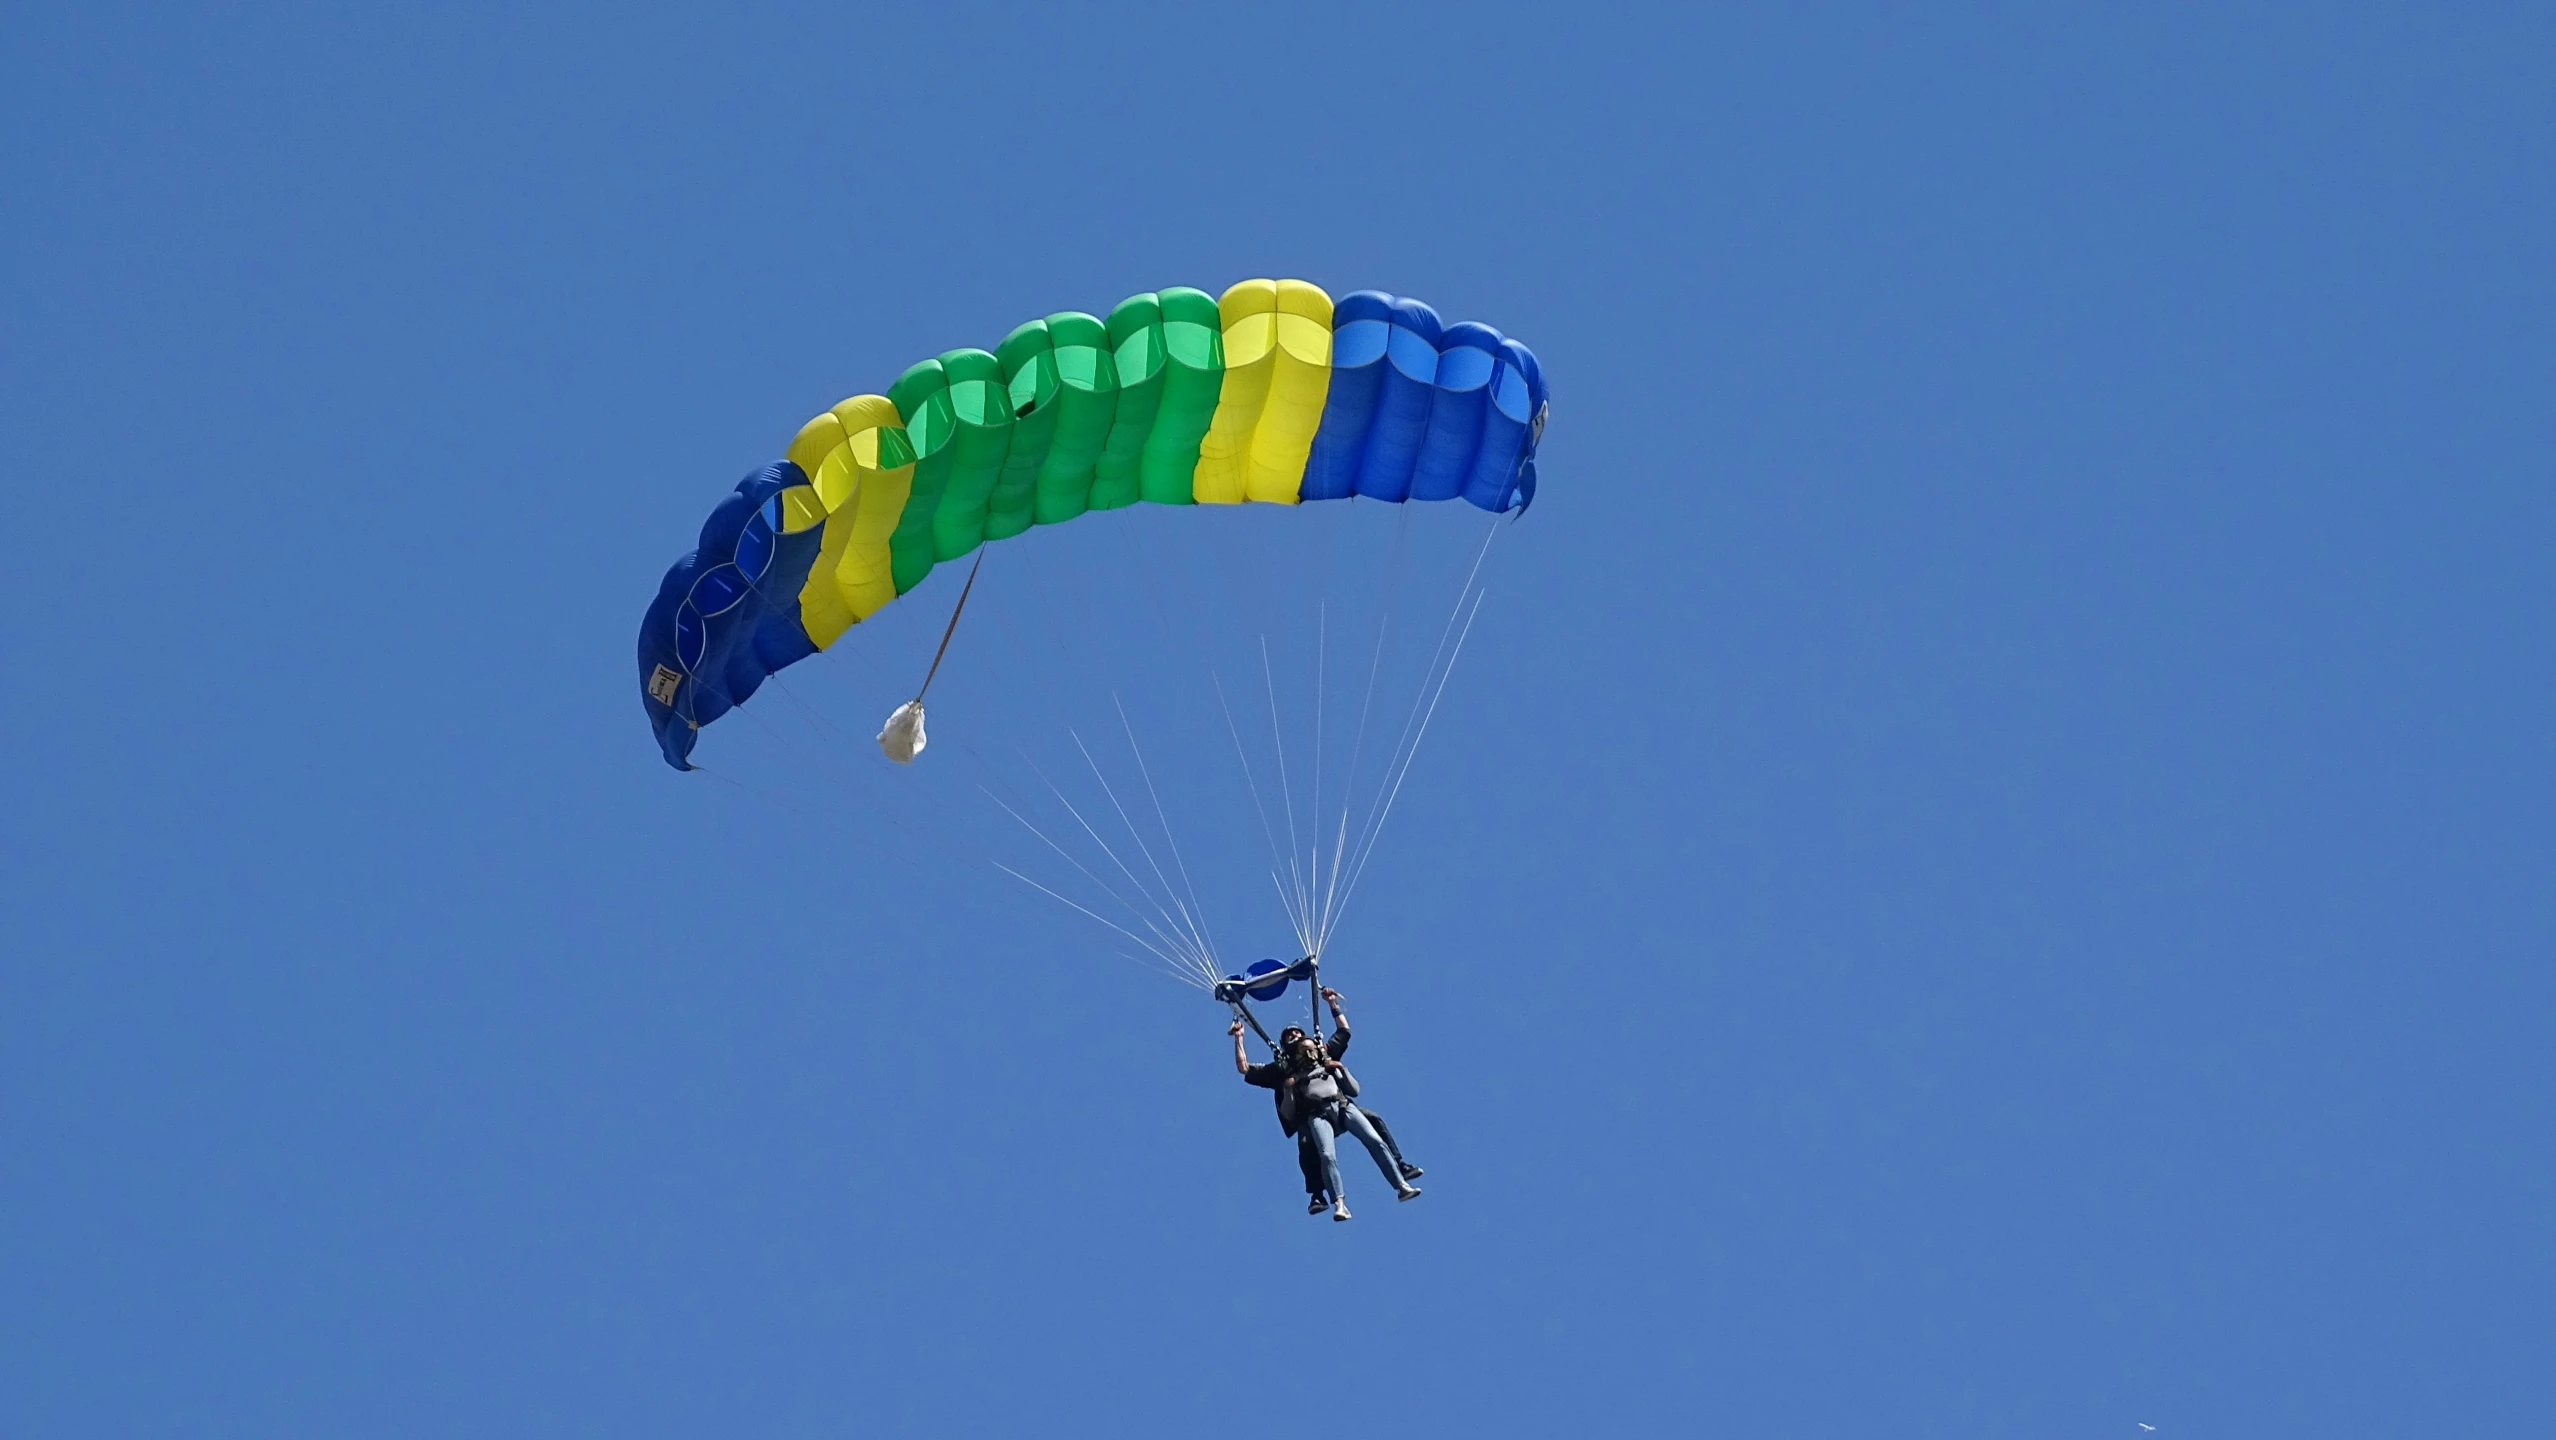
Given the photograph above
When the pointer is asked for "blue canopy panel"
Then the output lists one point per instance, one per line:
(726, 615)
(1422, 410)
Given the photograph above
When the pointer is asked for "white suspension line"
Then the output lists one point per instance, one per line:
(1167, 938)
(1163, 818)
(1182, 976)
(1159, 907)
(1375, 806)
(1141, 847)
(1358, 867)
(1293, 919)
(1349, 787)
(1322, 640)
(1286, 795)
(1173, 969)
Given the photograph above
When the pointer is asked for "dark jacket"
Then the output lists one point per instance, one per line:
(1282, 1076)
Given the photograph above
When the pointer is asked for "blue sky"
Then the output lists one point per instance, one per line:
(1986, 870)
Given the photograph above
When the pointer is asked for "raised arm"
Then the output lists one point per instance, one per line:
(1242, 1062)
(1338, 1044)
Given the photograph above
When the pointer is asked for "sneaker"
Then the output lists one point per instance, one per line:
(1340, 1211)
(1316, 1205)
(1411, 1171)
(1409, 1192)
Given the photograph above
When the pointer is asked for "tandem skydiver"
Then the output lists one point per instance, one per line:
(1314, 1095)
(1318, 1193)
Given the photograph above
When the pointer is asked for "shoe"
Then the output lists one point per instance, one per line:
(1316, 1205)
(1411, 1171)
(1409, 1192)
(1340, 1211)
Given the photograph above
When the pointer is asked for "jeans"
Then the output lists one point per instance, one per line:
(1309, 1159)
(1323, 1124)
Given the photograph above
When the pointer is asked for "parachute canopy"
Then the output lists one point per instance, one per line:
(1271, 393)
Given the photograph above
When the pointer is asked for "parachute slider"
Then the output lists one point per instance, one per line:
(1265, 980)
